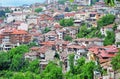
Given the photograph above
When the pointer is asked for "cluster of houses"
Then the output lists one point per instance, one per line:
(23, 26)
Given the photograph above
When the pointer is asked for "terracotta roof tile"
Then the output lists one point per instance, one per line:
(76, 46)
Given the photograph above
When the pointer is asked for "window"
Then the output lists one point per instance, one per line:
(86, 42)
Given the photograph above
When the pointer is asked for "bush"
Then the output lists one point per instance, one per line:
(38, 10)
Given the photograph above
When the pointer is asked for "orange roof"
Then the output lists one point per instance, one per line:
(94, 50)
(48, 43)
(34, 48)
(43, 49)
(69, 14)
(19, 32)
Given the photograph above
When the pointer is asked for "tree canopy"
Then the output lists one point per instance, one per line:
(110, 2)
(67, 38)
(85, 32)
(38, 10)
(115, 62)
(52, 71)
(106, 20)
(66, 22)
(80, 69)
(110, 38)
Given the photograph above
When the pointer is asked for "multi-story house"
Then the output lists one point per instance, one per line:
(32, 20)
(89, 42)
(69, 15)
(11, 17)
(50, 36)
(12, 37)
(117, 38)
(103, 54)
(44, 53)
(60, 33)
(78, 50)
(83, 2)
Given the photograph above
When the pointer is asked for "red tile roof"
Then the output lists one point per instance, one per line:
(48, 43)
(34, 48)
(76, 46)
(57, 26)
(69, 14)
(19, 32)
(94, 50)
(105, 51)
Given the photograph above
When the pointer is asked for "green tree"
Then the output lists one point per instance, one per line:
(115, 27)
(81, 69)
(110, 2)
(110, 38)
(71, 63)
(82, 31)
(34, 67)
(52, 71)
(66, 22)
(17, 62)
(88, 69)
(115, 62)
(16, 57)
(80, 63)
(57, 55)
(105, 20)
(7, 10)
(4, 61)
(38, 10)
(61, 1)
(32, 44)
(68, 38)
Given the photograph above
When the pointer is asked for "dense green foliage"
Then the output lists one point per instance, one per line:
(110, 38)
(61, 1)
(52, 71)
(115, 62)
(80, 70)
(110, 2)
(14, 66)
(2, 12)
(4, 61)
(66, 22)
(115, 27)
(94, 1)
(71, 0)
(85, 32)
(67, 38)
(13, 59)
(38, 10)
(106, 20)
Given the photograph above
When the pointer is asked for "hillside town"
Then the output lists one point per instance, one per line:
(60, 28)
